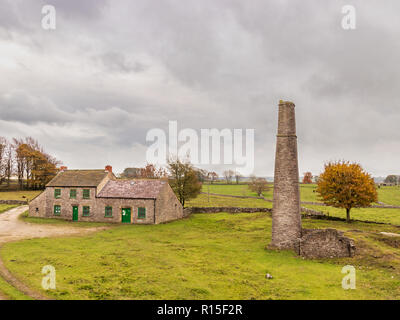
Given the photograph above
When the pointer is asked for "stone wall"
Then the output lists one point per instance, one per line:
(190, 210)
(312, 213)
(325, 243)
(13, 202)
(168, 207)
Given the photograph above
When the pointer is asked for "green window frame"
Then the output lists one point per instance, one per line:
(108, 211)
(72, 193)
(57, 193)
(141, 213)
(86, 193)
(57, 210)
(86, 211)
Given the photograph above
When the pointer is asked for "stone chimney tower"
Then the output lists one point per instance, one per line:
(286, 214)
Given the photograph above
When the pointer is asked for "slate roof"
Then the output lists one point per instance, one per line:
(78, 178)
(131, 189)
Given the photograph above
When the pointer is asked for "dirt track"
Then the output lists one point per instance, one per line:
(12, 229)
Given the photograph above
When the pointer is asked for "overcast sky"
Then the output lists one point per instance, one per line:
(91, 89)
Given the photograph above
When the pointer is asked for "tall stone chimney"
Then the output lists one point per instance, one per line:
(286, 213)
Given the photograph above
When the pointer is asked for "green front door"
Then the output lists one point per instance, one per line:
(126, 215)
(75, 213)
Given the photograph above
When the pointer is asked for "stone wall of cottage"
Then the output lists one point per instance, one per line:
(168, 207)
(64, 201)
(43, 206)
(37, 206)
(117, 206)
(165, 208)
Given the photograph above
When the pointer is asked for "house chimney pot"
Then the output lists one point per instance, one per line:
(63, 168)
(109, 168)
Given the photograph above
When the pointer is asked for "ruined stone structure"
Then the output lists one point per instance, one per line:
(97, 195)
(325, 243)
(286, 213)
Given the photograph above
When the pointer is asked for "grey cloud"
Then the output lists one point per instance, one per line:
(117, 62)
(21, 107)
(218, 64)
(87, 9)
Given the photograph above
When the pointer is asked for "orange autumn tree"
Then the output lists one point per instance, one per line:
(307, 178)
(346, 185)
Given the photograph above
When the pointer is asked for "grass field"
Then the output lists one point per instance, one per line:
(235, 189)
(10, 292)
(208, 256)
(391, 216)
(211, 256)
(389, 195)
(306, 191)
(217, 201)
(18, 195)
(24, 217)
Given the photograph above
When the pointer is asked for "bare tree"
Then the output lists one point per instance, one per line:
(228, 174)
(238, 176)
(212, 176)
(3, 146)
(258, 185)
(8, 162)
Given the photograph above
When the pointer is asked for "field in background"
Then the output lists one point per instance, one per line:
(306, 191)
(19, 195)
(217, 201)
(387, 195)
(208, 256)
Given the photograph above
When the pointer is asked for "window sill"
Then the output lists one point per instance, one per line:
(108, 217)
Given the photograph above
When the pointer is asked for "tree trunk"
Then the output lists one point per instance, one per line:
(347, 215)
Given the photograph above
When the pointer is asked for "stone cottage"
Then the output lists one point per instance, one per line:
(97, 195)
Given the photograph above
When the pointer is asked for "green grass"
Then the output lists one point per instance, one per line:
(389, 195)
(306, 191)
(391, 216)
(235, 189)
(18, 195)
(24, 217)
(10, 292)
(6, 207)
(218, 201)
(208, 256)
